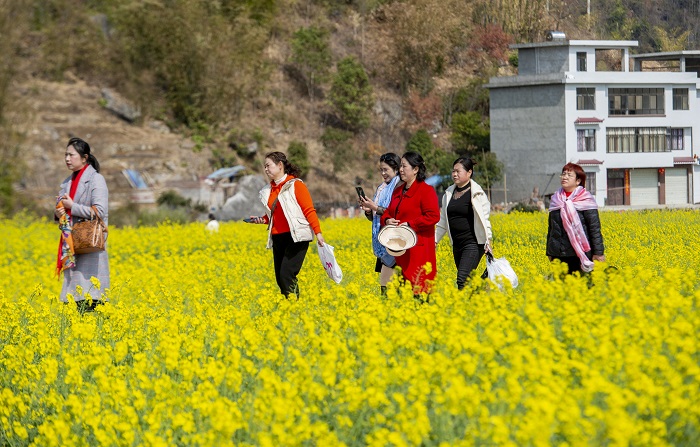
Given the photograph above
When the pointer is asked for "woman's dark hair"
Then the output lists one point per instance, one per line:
(289, 168)
(466, 162)
(416, 161)
(393, 160)
(83, 149)
(576, 169)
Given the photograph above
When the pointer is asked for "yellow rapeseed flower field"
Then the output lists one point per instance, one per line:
(197, 347)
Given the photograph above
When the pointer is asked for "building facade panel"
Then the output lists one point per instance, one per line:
(527, 134)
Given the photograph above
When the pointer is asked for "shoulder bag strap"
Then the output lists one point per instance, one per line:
(95, 215)
(272, 211)
(277, 199)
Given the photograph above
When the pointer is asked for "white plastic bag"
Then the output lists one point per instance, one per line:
(499, 268)
(330, 265)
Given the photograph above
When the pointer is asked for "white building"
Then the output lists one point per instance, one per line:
(628, 120)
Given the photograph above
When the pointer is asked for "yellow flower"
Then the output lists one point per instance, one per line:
(205, 351)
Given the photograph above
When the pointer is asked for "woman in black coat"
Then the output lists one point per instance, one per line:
(574, 235)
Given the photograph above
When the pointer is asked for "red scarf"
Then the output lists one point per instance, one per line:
(75, 181)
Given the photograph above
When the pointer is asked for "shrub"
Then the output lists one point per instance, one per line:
(471, 98)
(299, 155)
(470, 130)
(524, 208)
(489, 170)
(172, 199)
(436, 160)
(351, 94)
(311, 54)
(204, 61)
(338, 147)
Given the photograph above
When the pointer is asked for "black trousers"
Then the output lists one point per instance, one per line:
(467, 257)
(288, 258)
(572, 262)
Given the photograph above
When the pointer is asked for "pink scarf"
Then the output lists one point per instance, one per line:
(579, 200)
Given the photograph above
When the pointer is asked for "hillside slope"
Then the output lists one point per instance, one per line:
(53, 112)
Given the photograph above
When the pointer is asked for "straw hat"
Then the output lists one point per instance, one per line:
(397, 239)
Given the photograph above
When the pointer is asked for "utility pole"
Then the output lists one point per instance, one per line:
(588, 14)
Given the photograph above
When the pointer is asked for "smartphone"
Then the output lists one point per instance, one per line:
(248, 220)
(360, 192)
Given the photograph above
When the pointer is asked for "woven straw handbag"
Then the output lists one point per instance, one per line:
(89, 235)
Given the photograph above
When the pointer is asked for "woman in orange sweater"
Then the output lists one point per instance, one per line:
(291, 218)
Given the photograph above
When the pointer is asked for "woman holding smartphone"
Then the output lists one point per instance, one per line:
(291, 218)
(389, 164)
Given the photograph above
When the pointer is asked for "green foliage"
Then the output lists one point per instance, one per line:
(351, 94)
(620, 21)
(8, 176)
(338, 146)
(312, 56)
(172, 199)
(298, 155)
(437, 161)
(470, 131)
(71, 39)
(471, 98)
(420, 142)
(513, 59)
(200, 59)
(524, 208)
(488, 170)
(172, 207)
(239, 143)
(260, 11)
(670, 40)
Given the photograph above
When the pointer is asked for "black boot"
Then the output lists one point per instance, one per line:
(85, 306)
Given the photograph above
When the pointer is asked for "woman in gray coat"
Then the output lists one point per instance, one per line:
(82, 190)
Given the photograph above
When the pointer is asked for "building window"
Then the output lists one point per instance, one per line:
(581, 62)
(639, 139)
(680, 99)
(585, 140)
(590, 182)
(675, 139)
(585, 99)
(636, 101)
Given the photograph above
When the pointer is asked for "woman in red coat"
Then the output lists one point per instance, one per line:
(415, 203)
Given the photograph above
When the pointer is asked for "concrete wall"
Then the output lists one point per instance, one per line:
(528, 135)
(533, 61)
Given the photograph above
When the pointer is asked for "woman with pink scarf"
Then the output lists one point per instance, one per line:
(574, 235)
